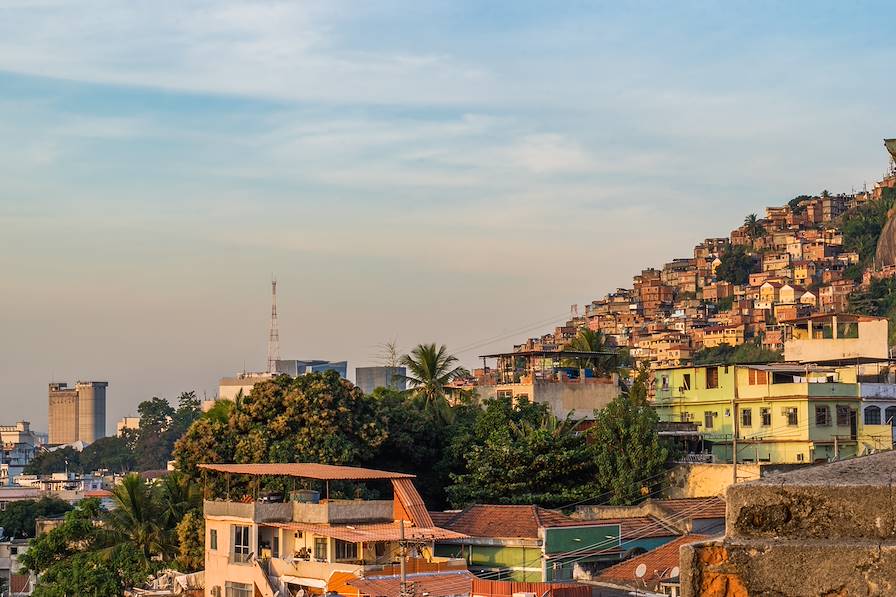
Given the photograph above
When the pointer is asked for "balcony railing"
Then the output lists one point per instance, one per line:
(324, 512)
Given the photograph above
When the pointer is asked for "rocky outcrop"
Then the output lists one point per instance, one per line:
(886, 244)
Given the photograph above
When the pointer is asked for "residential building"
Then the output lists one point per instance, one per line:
(732, 335)
(836, 337)
(127, 424)
(303, 542)
(562, 379)
(527, 543)
(371, 378)
(659, 574)
(78, 413)
(780, 412)
(16, 583)
(20, 445)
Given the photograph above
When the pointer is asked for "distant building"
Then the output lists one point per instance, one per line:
(19, 447)
(371, 378)
(78, 413)
(295, 368)
(230, 387)
(132, 423)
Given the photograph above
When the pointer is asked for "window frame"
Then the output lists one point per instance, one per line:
(825, 420)
(792, 415)
(213, 539)
(239, 551)
(871, 408)
(343, 546)
(765, 413)
(237, 589)
(842, 415)
(709, 419)
(318, 541)
(712, 378)
(746, 417)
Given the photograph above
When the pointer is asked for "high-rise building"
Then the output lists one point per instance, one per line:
(371, 378)
(78, 413)
(295, 368)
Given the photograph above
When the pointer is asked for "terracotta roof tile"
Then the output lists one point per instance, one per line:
(639, 527)
(659, 562)
(440, 584)
(487, 520)
(694, 508)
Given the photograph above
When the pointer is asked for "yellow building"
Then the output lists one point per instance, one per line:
(267, 544)
(714, 336)
(779, 412)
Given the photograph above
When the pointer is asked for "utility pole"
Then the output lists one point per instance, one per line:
(404, 590)
(736, 429)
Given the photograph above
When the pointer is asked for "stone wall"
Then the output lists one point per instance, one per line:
(825, 531)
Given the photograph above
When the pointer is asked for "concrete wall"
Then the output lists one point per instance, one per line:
(688, 480)
(91, 411)
(63, 416)
(578, 398)
(872, 342)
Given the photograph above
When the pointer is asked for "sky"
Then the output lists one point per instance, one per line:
(452, 172)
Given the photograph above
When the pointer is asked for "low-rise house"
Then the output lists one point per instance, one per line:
(269, 544)
(565, 380)
(714, 336)
(528, 543)
(656, 571)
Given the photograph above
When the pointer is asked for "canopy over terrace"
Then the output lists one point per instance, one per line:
(408, 502)
(544, 363)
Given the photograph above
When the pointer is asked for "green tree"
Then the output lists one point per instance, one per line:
(313, 418)
(191, 542)
(754, 228)
(588, 340)
(430, 370)
(55, 461)
(73, 560)
(522, 454)
(748, 352)
(19, 518)
(137, 520)
(736, 266)
(111, 453)
(626, 447)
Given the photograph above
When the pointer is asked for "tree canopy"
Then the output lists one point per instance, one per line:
(19, 518)
(736, 266)
(748, 352)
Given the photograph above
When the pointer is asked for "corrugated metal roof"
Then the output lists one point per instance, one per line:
(371, 533)
(441, 584)
(410, 499)
(306, 470)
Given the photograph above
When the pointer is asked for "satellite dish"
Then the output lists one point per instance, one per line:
(641, 570)
(675, 572)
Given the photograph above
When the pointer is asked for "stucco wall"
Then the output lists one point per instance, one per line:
(580, 399)
(688, 480)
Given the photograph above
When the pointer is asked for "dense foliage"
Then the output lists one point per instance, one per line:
(736, 266)
(861, 227)
(519, 453)
(749, 352)
(18, 519)
(628, 455)
(98, 552)
(146, 448)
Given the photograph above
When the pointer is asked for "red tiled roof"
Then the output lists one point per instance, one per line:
(306, 470)
(381, 532)
(440, 519)
(488, 520)
(98, 493)
(694, 508)
(659, 562)
(439, 584)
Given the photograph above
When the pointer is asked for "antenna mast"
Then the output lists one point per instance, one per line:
(274, 336)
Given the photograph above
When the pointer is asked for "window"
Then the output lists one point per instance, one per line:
(822, 416)
(687, 416)
(275, 545)
(346, 550)
(708, 419)
(240, 550)
(665, 382)
(213, 539)
(790, 413)
(320, 548)
(847, 330)
(746, 417)
(766, 415)
(872, 415)
(237, 589)
(14, 551)
(712, 377)
(890, 415)
(842, 415)
(686, 381)
(505, 394)
(758, 377)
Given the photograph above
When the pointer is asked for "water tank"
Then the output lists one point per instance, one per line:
(305, 496)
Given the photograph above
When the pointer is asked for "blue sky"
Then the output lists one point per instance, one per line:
(445, 172)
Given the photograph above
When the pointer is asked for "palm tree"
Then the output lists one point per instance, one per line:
(754, 229)
(430, 371)
(588, 340)
(137, 520)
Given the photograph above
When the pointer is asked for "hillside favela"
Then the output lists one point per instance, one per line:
(591, 300)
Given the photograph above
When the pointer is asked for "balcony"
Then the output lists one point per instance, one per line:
(324, 512)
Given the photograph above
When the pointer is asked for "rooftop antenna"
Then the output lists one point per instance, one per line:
(274, 336)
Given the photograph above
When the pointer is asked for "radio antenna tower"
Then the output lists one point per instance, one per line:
(274, 337)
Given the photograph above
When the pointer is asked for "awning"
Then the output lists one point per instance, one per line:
(305, 582)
